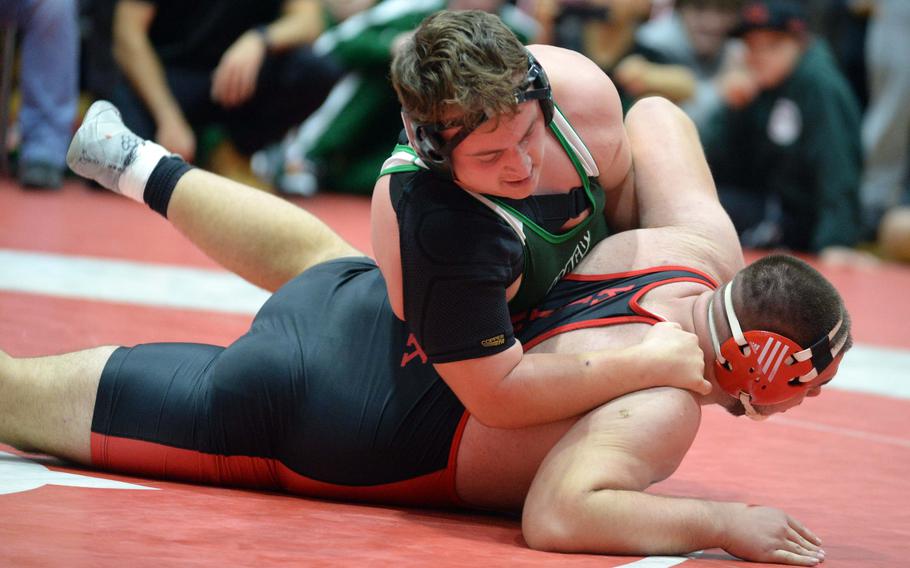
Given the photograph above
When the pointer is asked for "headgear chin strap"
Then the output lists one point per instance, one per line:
(762, 367)
(436, 152)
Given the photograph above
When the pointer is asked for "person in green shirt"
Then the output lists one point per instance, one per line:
(788, 161)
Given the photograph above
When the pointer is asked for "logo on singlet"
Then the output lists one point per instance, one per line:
(417, 353)
(581, 249)
(494, 341)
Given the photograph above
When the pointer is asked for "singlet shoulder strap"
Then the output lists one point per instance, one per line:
(403, 159)
(510, 219)
(572, 143)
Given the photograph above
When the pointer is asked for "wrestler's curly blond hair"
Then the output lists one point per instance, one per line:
(459, 68)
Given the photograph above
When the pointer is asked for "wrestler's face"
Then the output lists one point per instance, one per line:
(503, 157)
(735, 407)
(772, 56)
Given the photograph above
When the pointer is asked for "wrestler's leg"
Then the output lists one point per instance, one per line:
(495, 467)
(262, 238)
(47, 403)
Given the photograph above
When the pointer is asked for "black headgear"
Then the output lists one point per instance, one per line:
(436, 152)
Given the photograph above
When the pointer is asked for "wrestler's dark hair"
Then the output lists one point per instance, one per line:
(783, 294)
(463, 65)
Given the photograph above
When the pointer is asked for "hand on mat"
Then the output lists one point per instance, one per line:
(764, 534)
(672, 357)
(234, 80)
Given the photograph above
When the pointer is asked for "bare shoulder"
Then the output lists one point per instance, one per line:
(570, 70)
(580, 88)
(589, 100)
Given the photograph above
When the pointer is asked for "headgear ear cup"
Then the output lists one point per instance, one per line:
(539, 88)
(436, 153)
(766, 366)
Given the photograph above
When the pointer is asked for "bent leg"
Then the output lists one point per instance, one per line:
(495, 467)
(262, 238)
(46, 403)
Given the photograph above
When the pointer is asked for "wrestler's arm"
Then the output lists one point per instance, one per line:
(588, 494)
(384, 237)
(513, 389)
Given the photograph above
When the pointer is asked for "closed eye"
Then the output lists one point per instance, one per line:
(489, 158)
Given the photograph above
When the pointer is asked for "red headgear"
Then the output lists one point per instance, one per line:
(763, 367)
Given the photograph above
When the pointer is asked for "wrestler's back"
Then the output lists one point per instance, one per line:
(495, 467)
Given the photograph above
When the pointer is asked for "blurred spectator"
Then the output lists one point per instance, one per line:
(843, 24)
(241, 64)
(894, 233)
(49, 75)
(694, 40)
(886, 126)
(788, 161)
(342, 146)
(604, 30)
(610, 42)
(99, 72)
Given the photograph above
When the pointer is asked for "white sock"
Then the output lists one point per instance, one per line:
(133, 179)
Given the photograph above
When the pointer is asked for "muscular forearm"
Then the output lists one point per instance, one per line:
(631, 522)
(635, 523)
(546, 387)
(516, 390)
(542, 387)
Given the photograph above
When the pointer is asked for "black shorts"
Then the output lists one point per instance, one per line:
(327, 395)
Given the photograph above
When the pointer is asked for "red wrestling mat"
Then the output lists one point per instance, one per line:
(96, 222)
(840, 463)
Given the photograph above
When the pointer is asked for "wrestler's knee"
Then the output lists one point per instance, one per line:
(655, 110)
(544, 524)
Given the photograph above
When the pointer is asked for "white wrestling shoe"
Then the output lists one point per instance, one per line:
(105, 150)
